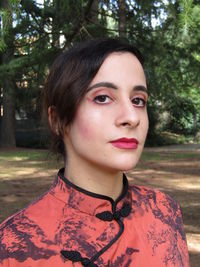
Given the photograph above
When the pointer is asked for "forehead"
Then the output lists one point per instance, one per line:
(121, 67)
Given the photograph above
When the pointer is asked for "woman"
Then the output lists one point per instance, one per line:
(96, 100)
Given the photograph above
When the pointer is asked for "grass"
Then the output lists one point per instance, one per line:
(18, 155)
(40, 159)
(162, 156)
(46, 156)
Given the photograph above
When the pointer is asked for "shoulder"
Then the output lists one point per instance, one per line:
(9, 234)
(160, 217)
(14, 228)
(20, 233)
(158, 205)
(153, 197)
(159, 208)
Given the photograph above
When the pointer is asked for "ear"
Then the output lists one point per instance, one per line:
(53, 120)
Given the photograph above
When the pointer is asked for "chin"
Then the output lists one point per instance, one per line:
(128, 168)
(125, 166)
(127, 163)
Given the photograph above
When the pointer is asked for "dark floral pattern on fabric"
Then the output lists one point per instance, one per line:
(19, 234)
(167, 211)
(124, 259)
(164, 209)
(64, 219)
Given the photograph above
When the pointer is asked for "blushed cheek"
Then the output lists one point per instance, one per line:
(84, 129)
(89, 123)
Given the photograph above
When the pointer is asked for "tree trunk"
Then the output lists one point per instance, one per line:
(122, 18)
(94, 11)
(7, 129)
(55, 25)
(7, 136)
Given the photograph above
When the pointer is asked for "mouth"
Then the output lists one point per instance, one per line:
(125, 143)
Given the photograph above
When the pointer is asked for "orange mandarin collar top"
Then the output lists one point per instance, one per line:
(69, 226)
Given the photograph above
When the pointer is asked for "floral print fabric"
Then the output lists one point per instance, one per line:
(150, 235)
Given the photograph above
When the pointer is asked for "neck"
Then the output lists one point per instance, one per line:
(95, 179)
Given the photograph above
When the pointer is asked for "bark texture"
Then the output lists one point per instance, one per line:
(7, 122)
(94, 11)
(122, 18)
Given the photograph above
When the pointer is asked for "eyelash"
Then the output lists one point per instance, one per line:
(103, 97)
(98, 97)
(139, 99)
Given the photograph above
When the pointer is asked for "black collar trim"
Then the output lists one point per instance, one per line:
(86, 192)
(117, 215)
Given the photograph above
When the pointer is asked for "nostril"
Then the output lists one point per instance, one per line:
(130, 123)
(125, 124)
(127, 118)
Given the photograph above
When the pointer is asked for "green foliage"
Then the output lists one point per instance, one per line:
(182, 113)
(8, 10)
(189, 19)
(167, 34)
(2, 45)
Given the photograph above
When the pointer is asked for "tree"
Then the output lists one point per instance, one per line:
(167, 34)
(7, 129)
(122, 17)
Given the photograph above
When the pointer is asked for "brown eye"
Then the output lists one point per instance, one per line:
(139, 102)
(102, 99)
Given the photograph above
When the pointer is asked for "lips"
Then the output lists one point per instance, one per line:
(125, 143)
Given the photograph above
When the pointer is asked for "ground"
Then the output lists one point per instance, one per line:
(25, 174)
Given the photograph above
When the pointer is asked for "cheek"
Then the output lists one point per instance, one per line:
(90, 123)
(84, 129)
(147, 122)
(88, 126)
(144, 125)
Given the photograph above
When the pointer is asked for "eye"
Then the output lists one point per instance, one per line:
(102, 99)
(139, 102)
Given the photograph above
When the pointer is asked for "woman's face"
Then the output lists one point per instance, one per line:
(111, 123)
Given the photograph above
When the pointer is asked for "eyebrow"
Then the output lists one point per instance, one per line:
(136, 88)
(140, 88)
(103, 84)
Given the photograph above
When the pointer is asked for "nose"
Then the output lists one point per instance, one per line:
(127, 115)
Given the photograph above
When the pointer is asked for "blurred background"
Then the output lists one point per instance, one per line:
(167, 32)
(33, 33)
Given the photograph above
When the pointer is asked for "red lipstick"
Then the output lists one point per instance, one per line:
(125, 143)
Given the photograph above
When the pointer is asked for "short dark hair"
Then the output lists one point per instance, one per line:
(72, 73)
